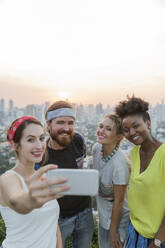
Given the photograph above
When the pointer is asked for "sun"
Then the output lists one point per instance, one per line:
(64, 95)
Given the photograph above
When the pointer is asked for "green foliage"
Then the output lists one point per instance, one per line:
(95, 235)
(4, 158)
(2, 230)
(94, 203)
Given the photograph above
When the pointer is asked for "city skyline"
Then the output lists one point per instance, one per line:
(88, 52)
(8, 104)
(10, 87)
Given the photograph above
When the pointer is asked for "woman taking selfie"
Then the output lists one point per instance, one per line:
(146, 197)
(28, 204)
(113, 167)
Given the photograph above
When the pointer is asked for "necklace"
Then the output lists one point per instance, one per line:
(110, 155)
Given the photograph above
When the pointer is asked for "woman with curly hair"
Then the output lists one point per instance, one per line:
(146, 197)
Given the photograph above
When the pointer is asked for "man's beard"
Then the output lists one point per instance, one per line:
(62, 141)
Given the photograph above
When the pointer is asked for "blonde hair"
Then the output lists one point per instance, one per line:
(118, 124)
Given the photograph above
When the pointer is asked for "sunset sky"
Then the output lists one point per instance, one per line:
(88, 51)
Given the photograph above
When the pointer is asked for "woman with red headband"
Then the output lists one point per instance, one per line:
(28, 204)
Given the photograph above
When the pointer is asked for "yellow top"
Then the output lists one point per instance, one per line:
(146, 196)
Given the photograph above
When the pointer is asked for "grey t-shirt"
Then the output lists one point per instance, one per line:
(115, 171)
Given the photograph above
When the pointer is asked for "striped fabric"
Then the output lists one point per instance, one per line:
(135, 240)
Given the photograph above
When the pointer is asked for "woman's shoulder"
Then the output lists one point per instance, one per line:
(135, 148)
(134, 151)
(9, 177)
(6, 174)
(121, 160)
(161, 150)
(120, 155)
(96, 147)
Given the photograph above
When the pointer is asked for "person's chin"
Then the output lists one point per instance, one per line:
(101, 141)
(65, 142)
(38, 160)
(137, 142)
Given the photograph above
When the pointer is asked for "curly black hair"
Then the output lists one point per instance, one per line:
(133, 105)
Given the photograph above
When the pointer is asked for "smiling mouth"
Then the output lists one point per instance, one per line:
(101, 137)
(135, 138)
(65, 134)
(37, 155)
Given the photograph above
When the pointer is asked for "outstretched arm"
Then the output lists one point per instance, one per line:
(40, 192)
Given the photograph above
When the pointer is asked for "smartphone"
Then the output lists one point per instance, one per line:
(81, 181)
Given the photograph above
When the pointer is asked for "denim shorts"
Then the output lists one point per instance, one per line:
(134, 239)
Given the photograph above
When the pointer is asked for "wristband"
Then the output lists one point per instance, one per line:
(157, 243)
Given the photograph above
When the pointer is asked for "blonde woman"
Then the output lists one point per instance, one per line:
(110, 161)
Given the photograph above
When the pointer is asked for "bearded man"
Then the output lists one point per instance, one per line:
(67, 149)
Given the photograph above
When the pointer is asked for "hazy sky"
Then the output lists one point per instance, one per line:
(87, 51)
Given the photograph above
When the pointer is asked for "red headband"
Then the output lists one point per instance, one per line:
(16, 124)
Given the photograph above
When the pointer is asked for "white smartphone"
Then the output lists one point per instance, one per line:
(81, 181)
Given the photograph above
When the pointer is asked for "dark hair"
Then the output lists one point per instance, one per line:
(132, 106)
(58, 105)
(20, 129)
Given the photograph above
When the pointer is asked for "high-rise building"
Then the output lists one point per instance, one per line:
(2, 105)
(90, 109)
(11, 112)
(80, 111)
(11, 105)
(99, 108)
(30, 110)
(2, 110)
(46, 106)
